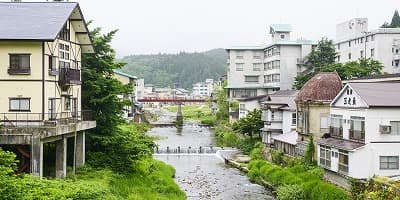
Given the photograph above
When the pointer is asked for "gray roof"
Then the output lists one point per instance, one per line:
(124, 74)
(280, 28)
(285, 98)
(41, 21)
(379, 94)
(340, 144)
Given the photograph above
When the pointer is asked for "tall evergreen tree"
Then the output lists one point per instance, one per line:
(100, 89)
(395, 20)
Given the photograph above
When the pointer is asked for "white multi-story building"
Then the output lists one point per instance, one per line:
(279, 114)
(254, 71)
(203, 88)
(355, 41)
(364, 138)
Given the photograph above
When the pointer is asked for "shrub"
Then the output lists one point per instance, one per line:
(317, 171)
(290, 192)
(277, 157)
(325, 191)
(211, 121)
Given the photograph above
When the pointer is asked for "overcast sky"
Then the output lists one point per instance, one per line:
(170, 26)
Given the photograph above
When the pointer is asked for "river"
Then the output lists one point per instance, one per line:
(204, 175)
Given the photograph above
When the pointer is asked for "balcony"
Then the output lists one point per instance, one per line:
(19, 71)
(69, 76)
(336, 132)
(357, 135)
(10, 120)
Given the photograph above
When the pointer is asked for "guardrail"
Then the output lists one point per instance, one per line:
(17, 119)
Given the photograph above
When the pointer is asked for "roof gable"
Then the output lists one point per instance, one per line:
(348, 98)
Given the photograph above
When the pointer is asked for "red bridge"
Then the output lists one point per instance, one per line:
(174, 100)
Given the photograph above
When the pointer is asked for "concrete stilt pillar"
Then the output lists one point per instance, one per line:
(80, 149)
(61, 158)
(36, 156)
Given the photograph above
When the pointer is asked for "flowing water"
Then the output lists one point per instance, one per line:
(200, 168)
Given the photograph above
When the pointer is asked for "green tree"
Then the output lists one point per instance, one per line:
(395, 23)
(109, 145)
(100, 89)
(309, 154)
(322, 55)
(395, 20)
(222, 104)
(250, 124)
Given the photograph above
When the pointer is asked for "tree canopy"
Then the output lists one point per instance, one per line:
(322, 59)
(395, 23)
(250, 124)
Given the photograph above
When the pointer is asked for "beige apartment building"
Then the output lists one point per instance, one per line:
(41, 47)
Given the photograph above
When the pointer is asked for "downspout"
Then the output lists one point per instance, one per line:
(43, 81)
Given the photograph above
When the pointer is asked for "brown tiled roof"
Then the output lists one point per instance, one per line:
(324, 86)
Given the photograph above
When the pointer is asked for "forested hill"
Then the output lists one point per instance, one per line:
(184, 68)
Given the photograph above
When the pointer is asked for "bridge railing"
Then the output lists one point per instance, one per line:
(187, 150)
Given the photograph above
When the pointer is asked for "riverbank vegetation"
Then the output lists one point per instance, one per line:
(200, 113)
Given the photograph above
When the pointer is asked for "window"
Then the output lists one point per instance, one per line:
(282, 36)
(325, 156)
(336, 129)
(361, 54)
(349, 56)
(349, 43)
(257, 55)
(267, 79)
(257, 66)
(389, 162)
(372, 52)
(343, 161)
(67, 103)
(20, 104)
(19, 63)
(338, 46)
(294, 118)
(64, 33)
(357, 128)
(395, 127)
(372, 37)
(63, 51)
(300, 119)
(52, 63)
(276, 64)
(244, 93)
(324, 121)
(251, 79)
(242, 106)
(276, 78)
(338, 58)
(239, 55)
(239, 66)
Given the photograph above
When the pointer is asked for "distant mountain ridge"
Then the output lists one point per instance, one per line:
(165, 70)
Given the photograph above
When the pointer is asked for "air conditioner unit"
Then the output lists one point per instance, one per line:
(385, 129)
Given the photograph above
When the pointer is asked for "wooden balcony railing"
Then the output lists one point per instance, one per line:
(69, 76)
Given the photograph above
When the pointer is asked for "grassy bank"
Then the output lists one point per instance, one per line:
(152, 179)
(201, 113)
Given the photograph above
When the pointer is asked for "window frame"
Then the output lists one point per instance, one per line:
(19, 99)
(388, 163)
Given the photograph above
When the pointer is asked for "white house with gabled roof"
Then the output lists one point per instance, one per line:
(364, 138)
